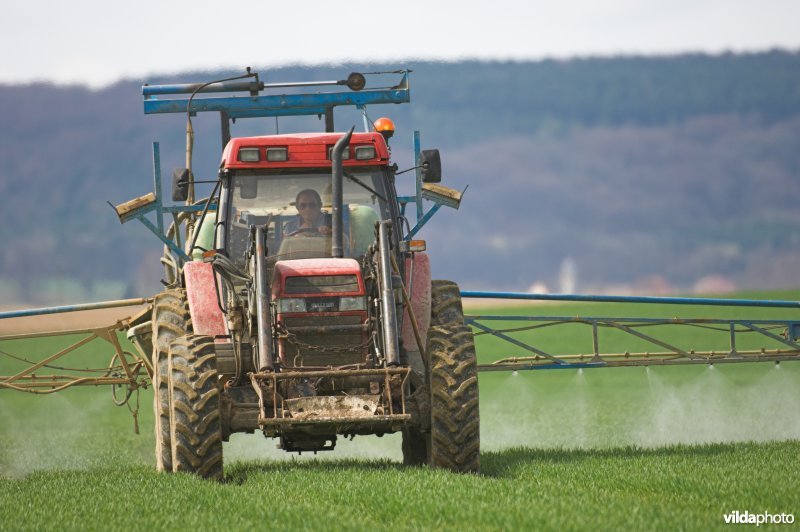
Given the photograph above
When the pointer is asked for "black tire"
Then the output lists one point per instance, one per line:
(446, 303)
(455, 418)
(446, 308)
(161, 412)
(170, 320)
(195, 428)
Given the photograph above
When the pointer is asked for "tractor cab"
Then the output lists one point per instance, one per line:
(284, 184)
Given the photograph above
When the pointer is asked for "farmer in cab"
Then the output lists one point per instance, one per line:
(310, 218)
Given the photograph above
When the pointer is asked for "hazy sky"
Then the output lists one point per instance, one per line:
(98, 42)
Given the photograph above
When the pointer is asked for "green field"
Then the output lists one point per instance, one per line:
(630, 448)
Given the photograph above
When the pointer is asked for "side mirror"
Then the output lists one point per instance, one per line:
(180, 184)
(431, 166)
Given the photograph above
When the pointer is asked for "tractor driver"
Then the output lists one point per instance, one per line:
(310, 219)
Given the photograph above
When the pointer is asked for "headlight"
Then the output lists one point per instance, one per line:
(277, 154)
(353, 303)
(292, 304)
(364, 153)
(249, 155)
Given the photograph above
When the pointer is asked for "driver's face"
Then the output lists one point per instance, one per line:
(308, 208)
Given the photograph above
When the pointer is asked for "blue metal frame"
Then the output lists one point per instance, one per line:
(634, 299)
(272, 105)
(673, 355)
(160, 209)
(418, 175)
(423, 220)
(71, 308)
(423, 216)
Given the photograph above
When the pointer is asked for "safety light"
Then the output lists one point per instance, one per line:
(385, 127)
(364, 153)
(412, 246)
(249, 155)
(276, 155)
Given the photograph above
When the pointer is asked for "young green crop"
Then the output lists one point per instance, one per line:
(631, 448)
(679, 487)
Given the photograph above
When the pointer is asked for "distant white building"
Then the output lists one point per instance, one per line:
(568, 276)
(714, 284)
(538, 288)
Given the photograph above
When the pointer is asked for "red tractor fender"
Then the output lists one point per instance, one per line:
(418, 284)
(207, 318)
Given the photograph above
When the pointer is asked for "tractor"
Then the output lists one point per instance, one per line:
(298, 308)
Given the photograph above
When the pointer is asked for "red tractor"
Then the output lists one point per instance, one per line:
(299, 305)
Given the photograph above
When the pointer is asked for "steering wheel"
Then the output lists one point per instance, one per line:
(306, 231)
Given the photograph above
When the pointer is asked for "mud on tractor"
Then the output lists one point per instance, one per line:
(297, 302)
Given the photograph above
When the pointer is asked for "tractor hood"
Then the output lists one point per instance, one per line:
(315, 277)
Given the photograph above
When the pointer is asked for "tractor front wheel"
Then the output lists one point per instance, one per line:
(195, 429)
(455, 418)
(448, 432)
(170, 320)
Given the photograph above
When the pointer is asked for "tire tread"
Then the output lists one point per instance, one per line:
(196, 432)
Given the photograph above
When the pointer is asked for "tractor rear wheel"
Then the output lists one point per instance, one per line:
(446, 303)
(195, 417)
(455, 421)
(170, 320)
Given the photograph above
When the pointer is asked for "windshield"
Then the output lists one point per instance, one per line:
(297, 208)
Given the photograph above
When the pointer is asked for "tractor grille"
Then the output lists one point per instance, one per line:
(323, 349)
(321, 284)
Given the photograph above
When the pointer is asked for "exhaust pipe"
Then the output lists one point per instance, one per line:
(263, 315)
(337, 251)
(388, 307)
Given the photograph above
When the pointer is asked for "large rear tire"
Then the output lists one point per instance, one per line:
(170, 320)
(446, 303)
(195, 428)
(455, 417)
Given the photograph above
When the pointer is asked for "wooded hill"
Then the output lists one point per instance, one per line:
(675, 167)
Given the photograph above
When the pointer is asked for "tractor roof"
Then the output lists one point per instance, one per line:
(304, 150)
